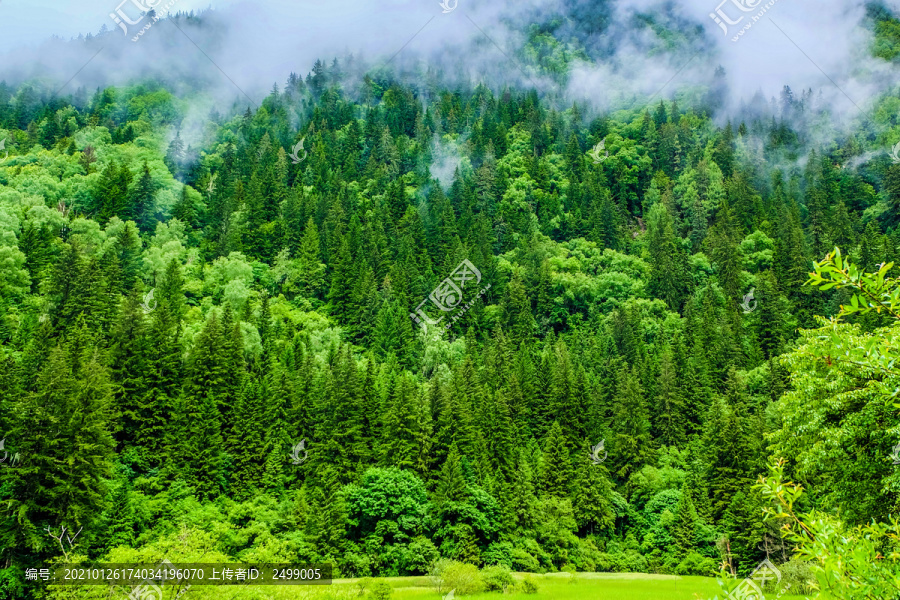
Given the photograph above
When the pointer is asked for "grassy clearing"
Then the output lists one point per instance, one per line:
(555, 586)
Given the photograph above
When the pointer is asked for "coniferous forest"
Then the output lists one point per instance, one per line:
(379, 323)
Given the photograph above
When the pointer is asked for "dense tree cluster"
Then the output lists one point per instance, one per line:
(178, 312)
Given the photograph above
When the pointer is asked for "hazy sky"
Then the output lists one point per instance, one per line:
(28, 22)
(801, 43)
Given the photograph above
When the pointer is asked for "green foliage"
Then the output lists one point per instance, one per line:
(381, 591)
(179, 310)
(497, 579)
(847, 562)
(462, 577)
(529, 585)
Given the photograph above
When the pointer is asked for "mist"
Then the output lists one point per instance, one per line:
(235, 51)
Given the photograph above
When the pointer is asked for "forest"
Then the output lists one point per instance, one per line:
(434, 322)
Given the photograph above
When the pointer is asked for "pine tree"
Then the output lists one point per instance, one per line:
(119, 519)
(326, 527)
(683, 528)
(668, 278)
(557, 464)
(247, 446)
(725, 253)
(141, 199)
(451, 486)
(631, 424)
(592, 498)
(199, 418)
(340, 295)
(745, 530)
(63, 438)
(130, 369)
(399, 445)
(518, 318)
(670, 423)
(726, 456)
(311, 269)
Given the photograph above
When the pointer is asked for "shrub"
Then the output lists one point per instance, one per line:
(623, 562)
(356, 565)
(436, 574)
(798, 574)
(499, 553)
(497, 578)
(381, 591)
(529, 585)
(362, 585)
(10, 585)
(528, 555)
(524, 561)
(586, 556)
(572, 571)
(696, 564)
(417, 555)
(462, 577)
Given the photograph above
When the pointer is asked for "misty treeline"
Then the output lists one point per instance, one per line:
(180, 311)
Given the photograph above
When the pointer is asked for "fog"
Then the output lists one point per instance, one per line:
(239, 49)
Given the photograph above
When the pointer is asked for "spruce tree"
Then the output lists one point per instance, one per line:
(557, 464)
(683, 528)
(63, 444)
(592, 499)
(631, 424)
(199, 434)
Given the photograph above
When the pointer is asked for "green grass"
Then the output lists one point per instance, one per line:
(554, 586)
(586, 586)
